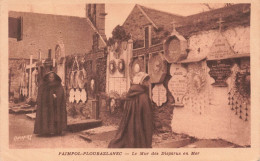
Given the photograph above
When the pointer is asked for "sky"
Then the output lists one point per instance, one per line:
(116, 12)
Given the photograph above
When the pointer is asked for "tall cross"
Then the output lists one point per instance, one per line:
(220, 21)
(148, 48)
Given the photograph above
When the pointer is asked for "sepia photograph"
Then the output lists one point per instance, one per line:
(136, 75)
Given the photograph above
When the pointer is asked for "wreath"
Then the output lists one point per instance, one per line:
(112, 66)
(121, 66)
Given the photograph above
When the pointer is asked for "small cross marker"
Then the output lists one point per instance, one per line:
(173, 26)
(220, 23)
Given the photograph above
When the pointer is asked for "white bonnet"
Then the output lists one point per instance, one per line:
(139, 77)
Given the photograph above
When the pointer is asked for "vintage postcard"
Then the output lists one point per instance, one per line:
(132, 80)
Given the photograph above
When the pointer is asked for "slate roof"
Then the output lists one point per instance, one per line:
(234, 15)
(161, 18)
(42, 31)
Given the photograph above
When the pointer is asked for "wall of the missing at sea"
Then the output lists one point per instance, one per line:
(210, 111)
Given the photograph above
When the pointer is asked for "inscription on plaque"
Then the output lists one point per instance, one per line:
(117, 85)
(220, 49)
(220, 70)
(159, 94)
(178, 83)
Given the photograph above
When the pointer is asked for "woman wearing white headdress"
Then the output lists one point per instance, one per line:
(136, 128)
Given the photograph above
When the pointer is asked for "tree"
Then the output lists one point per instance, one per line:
(118, 34)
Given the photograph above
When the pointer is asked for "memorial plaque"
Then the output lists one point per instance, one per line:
(157, 68)
(220, 49)
(159, 94)
(175, 48)
(178, 83)
(220, 70)
(196, 77)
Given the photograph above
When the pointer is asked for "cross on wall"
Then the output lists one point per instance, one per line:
(173, 26)
(147, 50)
(220, 21)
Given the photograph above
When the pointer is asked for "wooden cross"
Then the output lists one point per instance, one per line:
(220, 23)
(147, 49)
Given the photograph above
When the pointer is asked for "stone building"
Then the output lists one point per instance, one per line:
(199, 67)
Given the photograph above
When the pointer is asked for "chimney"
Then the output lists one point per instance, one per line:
(49, 54)
(96, 14)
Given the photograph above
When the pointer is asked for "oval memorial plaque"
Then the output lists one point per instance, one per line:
(157, 68)
(136, 66)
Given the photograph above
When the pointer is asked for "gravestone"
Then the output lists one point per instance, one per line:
(34, 84)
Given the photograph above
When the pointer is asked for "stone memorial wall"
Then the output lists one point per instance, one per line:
(218, 96)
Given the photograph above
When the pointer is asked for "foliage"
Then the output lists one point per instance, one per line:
(118, 34)
(242, 84)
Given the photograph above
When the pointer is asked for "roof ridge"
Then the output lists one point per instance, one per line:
(217, 9)
(49, 14)
(96, 30)
(172, 14)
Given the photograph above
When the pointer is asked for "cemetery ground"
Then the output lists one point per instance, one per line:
(21, 137)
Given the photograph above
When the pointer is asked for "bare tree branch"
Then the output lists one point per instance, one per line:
(207, 5)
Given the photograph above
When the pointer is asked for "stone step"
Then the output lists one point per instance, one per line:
(211, 143)
(22, 110)
(99, 130)
(83, 125)
(174, 144)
